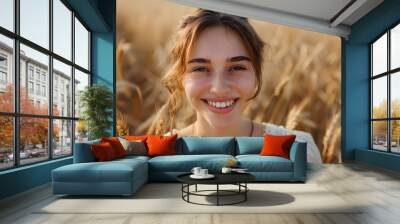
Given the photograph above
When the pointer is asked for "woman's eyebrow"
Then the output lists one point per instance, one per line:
(239, 58)
(233, 59)
(199, 60)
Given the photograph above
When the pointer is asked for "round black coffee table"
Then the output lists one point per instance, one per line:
(238, 179)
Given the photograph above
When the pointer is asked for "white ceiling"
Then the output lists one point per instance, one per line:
(320, 9)
(325, 16)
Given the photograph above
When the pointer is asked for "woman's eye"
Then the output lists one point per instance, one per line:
(199, 69)
(237, 68)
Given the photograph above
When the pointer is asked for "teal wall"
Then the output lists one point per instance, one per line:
(24, 178)
(99, 16)
(355, 85)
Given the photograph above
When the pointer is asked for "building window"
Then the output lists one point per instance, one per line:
(30, 87)
(385, 91)
(3, 70)
(44, 77)
(56, 125)
(37, 74)
(43, 90)
(3, 61)
(30, 73)
(38, 89)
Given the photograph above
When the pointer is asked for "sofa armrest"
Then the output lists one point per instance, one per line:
(298, 155)
(83, 152)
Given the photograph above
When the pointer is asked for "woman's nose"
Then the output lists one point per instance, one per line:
(220, 85)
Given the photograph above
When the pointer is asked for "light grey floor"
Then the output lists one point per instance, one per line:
(378, 188)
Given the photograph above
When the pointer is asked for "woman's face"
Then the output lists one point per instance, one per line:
(220, 77)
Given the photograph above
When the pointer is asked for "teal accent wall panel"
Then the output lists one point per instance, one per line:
(356, 103)
(376, 158)
(24, 178)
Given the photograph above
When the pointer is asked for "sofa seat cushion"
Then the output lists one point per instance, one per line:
(111, 171)
(257, 163)
(185, 163)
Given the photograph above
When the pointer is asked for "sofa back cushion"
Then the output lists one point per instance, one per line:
(116, 145)
(83, 152)
(249, 145)
(206, 145)
(161, 145)
(104, 152)
(275, 145)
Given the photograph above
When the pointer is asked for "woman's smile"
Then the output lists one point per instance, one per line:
(220, 105)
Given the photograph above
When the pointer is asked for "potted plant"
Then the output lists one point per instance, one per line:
(96, 102)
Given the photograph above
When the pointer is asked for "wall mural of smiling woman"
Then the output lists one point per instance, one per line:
(209, 87)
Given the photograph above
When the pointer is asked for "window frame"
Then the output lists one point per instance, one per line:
(388, 74)
(16, 115)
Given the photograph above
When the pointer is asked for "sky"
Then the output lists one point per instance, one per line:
(34, 26)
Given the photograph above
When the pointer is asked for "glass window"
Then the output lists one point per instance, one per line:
(7, 14)
(379, 135)
(37, 89)
(30, 72)
(3, 60)
(395, 138)
(62, 137)
(3, 78)
(81, 45)
(34, 80)
(395, 95)
(34, 21)
(62, 29)
(37, 75)
(33, 140)
(81, 81)
(6, 142)
(7, 75)
(62, 72)
(379, 97)
(40, 61)
(379, 56)
(385, 92)
(395, 47)
(43, 90)
(30, 87)
(81, 131)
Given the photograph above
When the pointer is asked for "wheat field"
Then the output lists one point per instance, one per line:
(301, 75)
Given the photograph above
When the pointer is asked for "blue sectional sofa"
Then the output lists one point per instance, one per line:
(125, 176)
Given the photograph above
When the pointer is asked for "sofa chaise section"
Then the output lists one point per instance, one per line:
(86, 177)
(271, 168)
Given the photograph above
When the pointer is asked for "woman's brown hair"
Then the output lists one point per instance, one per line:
(189, 30)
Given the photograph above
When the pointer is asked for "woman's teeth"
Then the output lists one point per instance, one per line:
(220, 104)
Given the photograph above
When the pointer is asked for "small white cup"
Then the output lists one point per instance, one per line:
(203, 172)
(196, 170)
(226, 170)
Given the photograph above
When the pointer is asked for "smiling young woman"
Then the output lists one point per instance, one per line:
(217, 67)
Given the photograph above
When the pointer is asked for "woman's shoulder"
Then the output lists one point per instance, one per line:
(274, 129)
(181, 132)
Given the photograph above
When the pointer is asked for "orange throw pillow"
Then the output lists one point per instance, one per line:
(103, 151)
(277, 145)
(135, 137)
(116, 145)
(161, 145)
